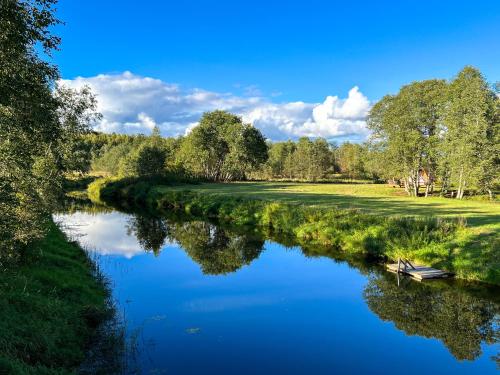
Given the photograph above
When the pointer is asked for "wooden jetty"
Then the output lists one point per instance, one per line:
(417, 272)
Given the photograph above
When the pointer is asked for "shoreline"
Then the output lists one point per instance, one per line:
(54, 307)
(433, 241)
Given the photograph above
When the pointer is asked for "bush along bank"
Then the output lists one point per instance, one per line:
(443, 243)
(53, 304)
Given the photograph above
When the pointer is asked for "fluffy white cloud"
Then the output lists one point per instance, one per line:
(339, 117)
(135, 104)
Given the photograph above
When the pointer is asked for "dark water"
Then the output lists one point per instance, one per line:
(201, 299)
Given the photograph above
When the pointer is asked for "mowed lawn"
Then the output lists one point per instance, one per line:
(378, 199)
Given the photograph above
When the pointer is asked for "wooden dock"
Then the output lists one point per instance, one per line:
(417, 272)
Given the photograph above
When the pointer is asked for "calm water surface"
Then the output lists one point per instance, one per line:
(202, 299)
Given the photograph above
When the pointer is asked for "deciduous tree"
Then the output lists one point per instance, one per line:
(407, 124)
(471, 139)
(223, 148)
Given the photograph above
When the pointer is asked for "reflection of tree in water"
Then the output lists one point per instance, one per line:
(460, 320)
(217, 250)
(150, 232)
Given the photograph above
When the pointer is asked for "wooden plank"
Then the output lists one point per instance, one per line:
(419, 272)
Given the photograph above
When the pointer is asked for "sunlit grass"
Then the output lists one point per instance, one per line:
(378, 199)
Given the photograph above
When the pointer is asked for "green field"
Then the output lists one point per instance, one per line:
(370, 198)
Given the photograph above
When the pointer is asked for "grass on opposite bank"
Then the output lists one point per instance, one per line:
(50, 308)
(378, 199)
(331, 219)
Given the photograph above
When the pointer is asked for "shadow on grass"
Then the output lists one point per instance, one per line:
(389, 205)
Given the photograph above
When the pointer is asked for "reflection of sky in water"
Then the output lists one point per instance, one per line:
(104, 233)
(282, 314)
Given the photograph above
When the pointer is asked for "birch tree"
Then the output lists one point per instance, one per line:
(407, 124)
(471, 138)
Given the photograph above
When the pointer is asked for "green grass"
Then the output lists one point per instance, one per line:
(50, 308)
(375, 221)
(378, 199)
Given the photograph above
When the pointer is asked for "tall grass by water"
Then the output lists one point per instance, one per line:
(445, 243)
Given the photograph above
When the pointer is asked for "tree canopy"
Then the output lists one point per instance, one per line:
(222, 147)
(441, 131)
(38, 124)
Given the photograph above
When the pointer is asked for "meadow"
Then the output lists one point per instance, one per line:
(378, 199)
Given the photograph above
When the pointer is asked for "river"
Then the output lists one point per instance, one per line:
(200, 298)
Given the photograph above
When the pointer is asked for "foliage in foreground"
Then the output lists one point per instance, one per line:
(443, 243)
(40, 124)
(50, 308)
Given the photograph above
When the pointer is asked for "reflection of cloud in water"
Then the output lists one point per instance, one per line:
(104, 233)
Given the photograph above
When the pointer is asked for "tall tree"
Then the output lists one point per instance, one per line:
(471, 140)
(276, 166)
(33, 123)
(321, 159)
(302, 158)
(407, 124)
(28, 126)
(223, 148)
(350, 160)
(146, 159)
(77, 112)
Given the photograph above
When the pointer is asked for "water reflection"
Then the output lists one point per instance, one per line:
(458, 319)
(104, 233)
(151, 232)
(462, 318)
(216, 250)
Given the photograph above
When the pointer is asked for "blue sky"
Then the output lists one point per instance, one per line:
(281, 52)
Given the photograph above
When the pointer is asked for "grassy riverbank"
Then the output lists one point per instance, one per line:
(51, 306)
(347, 218)
(379, 199)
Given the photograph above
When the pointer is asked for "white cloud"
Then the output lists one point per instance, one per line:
(135, 104)
(338, 117)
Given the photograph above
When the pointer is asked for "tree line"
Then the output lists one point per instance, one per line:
(213, 153)
(220, 148)
(432, 136)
